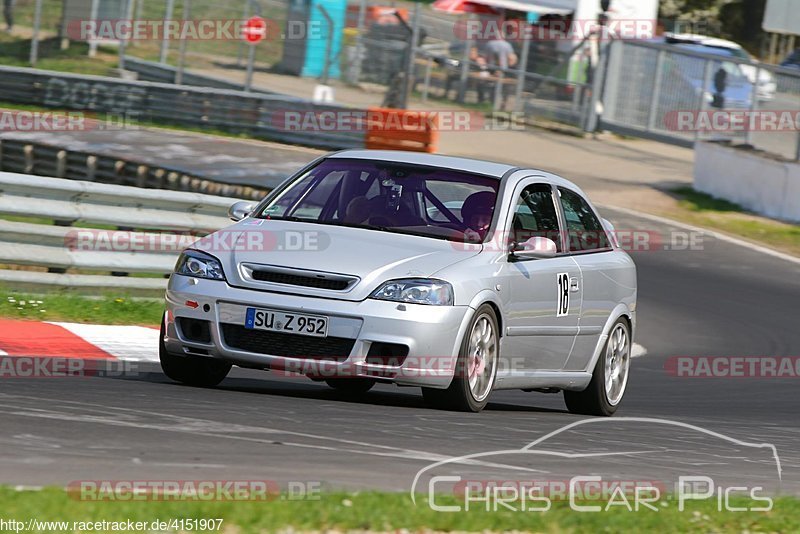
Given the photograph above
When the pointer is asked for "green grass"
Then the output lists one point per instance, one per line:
(199, 53)
(51, 14)
(14, 52)
(704, 210)
(391, 511)
(701, 202)
(109, 308)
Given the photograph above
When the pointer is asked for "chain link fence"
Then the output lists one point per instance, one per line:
(682, 96)
(646, 89)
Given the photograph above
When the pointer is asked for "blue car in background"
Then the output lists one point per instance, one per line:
(793, 60)
(738, 89)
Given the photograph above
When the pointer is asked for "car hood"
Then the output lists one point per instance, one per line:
(298, 253)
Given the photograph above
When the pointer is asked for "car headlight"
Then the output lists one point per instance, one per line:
(199, 265)
(416, 291)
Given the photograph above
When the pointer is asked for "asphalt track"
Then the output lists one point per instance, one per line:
(721, 300)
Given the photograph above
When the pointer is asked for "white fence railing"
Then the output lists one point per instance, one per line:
(84, 234)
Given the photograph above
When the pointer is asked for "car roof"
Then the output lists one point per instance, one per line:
(691, 38)
(706, 49)
(477, 166)
(488, 168)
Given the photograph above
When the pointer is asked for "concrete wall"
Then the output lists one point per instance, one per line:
(757, 183)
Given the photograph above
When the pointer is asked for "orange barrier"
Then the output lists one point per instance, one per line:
(400, 129)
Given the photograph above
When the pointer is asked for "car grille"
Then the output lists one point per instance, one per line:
(299, 280)
(287, 345)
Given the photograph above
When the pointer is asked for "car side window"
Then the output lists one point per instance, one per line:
(584, 229)
(535, 215)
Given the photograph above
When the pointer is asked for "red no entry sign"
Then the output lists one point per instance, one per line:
(255, 29)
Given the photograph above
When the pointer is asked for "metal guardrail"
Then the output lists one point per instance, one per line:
(27, 157)
(105, 243)
(151, 71)
(259, 115)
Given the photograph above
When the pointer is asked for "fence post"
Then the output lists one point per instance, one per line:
(328, 44)
(37, 21)
(242, 44)
(748, 135)
(412, 55)
(187, 10)
(127, 6)
(251, 60)
(464, 77)
(522, 70)
(361, 28)
(798, 148)
(599, 85)
(651, 116)
(93, 17)
(708, 73)
(498, 90)
(428, 67)
(164, 41)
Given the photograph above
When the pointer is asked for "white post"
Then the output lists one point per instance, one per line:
(93, 39)
(37, 21)
(164, 41)
(522, 68)
(251, 59)
(187, 9)
(127, 6)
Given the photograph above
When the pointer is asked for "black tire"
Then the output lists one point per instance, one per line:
(351, 385)
(593, 400)
(192, 370)
(459, 396)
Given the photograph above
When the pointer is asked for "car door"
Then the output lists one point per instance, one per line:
(543, 299)
(591, 250)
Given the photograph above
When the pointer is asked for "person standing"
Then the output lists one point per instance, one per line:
(502, 56)
(8, 14)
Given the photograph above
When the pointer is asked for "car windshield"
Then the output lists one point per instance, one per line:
(393, 197)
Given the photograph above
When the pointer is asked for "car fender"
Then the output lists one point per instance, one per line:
(621, 310)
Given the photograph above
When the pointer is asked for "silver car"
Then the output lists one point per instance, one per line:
(459, 276)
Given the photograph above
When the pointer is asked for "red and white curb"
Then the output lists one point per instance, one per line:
(94, 341)
(73, 340)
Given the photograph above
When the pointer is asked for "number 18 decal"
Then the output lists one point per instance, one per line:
(563, 295)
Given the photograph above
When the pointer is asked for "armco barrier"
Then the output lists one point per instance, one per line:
(399, 129)
(151, 71)
(172, 215)
(44, 160)
(258, 115)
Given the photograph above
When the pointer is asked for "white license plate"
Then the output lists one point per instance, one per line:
(289, 323)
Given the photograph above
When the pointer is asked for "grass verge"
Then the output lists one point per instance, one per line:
(109, 308)
(374, 511)
(703, 210)
(15, 52)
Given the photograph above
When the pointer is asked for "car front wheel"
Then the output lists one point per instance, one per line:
(609, 379)
(194, 371)
(476, 367)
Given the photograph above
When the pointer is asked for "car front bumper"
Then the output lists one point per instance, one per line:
(431, 333)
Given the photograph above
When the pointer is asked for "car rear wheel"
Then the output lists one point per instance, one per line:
(351, 385)
(476, 367)
(192, 370)
(609, 379)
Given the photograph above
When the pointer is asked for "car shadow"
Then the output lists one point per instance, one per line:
(399, 397)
